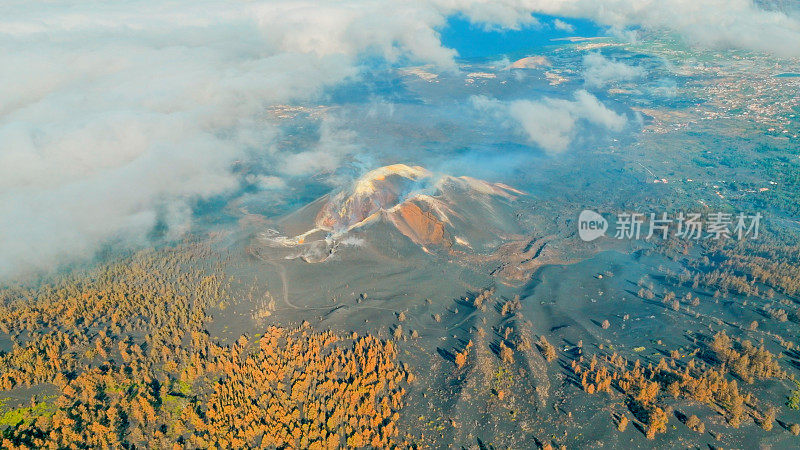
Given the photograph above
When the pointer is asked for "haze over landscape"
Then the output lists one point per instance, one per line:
(359, 224)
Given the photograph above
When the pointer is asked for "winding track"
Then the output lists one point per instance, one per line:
(285, 286)
(285, 295)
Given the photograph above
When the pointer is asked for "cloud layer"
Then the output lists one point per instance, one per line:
(115, 116)
(718, 24)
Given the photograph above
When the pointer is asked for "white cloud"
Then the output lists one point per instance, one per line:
(664, 87)
(706, 23)
(115, 115)
(599, 71)
(266, 182)
(551, 123)
(334, 144)
(563, 26)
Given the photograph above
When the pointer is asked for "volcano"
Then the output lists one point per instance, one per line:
(436, 212)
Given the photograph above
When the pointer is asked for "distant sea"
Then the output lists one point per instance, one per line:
(475, 41)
